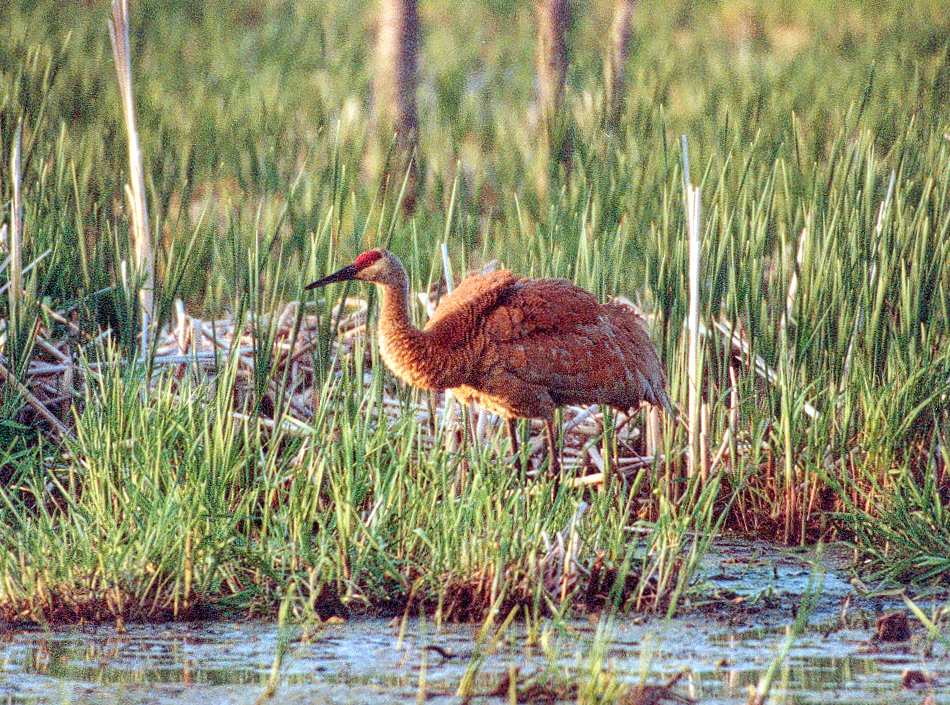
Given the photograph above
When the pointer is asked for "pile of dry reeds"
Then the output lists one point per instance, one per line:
(190, 346)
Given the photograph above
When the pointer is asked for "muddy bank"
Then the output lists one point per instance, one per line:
(722, 644)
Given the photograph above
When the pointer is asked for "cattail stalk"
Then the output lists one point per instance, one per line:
(618, 52)
(135, 189)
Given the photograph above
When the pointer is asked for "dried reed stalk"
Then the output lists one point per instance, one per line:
(448, 416)
(135, 189)
(694, 373)
(16, 231)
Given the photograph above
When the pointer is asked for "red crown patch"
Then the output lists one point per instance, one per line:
(367, 258)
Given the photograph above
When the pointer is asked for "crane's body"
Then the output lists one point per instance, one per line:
(518, 347)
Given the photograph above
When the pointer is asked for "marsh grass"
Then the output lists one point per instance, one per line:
(171, 507)
(818, 143)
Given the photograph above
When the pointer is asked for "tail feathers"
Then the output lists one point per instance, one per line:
(664, 401)
(654, 391)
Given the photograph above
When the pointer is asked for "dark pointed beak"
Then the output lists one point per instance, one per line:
(342, 275)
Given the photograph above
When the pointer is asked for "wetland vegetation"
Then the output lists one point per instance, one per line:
(257, 459)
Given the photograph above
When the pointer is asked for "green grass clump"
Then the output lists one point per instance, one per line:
(818, 136)
(170, 507)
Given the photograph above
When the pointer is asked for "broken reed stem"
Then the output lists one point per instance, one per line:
(16, 232)
(696, 451)
(30, 399)
(652, 446)
(793, 283)
(618, 52)
(447, 268)
(25, 270)
(756, 362)
(135, 189)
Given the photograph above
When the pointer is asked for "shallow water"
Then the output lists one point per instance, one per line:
(724, 647)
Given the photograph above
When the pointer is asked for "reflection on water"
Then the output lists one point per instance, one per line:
(723, 650)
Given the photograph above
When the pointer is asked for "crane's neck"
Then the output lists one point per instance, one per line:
(406, 350)
(394, 318)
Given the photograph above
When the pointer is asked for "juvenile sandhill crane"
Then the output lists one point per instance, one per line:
(518, 347)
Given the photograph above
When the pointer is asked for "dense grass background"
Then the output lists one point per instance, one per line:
(254, 118)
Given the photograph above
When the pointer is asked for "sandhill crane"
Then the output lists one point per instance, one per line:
(518, 347)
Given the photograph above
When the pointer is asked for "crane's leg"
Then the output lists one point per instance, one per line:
(554, 455)
(513, 436)
(520, 462)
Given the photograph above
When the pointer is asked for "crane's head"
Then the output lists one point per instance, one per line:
(379, 266)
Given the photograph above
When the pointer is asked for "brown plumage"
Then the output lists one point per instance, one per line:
(516, 346)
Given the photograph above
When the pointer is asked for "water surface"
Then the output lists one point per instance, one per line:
(723, 647)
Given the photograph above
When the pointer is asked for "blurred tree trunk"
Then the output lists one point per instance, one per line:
(554, 21)
(618, 52)
(394, 99)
